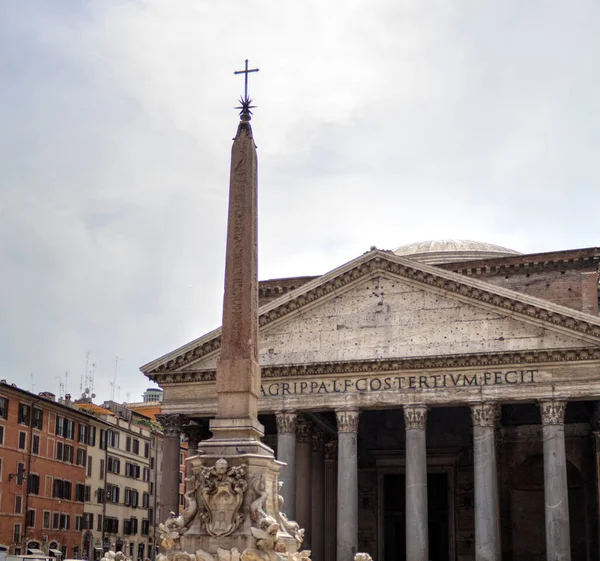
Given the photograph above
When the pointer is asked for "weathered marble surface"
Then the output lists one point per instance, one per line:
(417, 537)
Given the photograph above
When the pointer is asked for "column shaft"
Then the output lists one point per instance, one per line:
(556, 493)
(330, 499)
(347, 497)
(318, 499)
(304, 480)
(417, 536)
(169, 491)
(286, 452)
(487, 512)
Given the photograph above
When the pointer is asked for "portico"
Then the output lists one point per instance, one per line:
(443, 417)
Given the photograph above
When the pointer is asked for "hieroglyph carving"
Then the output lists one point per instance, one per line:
(553, 411)
(415, 416)
(287, 422)
(347, 420)
(222, 492)
(485, 414)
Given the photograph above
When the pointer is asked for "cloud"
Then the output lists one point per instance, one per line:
(378, 123)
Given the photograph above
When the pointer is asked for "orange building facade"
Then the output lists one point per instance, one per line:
(43, 458)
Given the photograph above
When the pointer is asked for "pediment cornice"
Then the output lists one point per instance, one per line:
(479, 360)
(534, 310)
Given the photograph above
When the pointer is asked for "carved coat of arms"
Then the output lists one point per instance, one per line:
(222, 493)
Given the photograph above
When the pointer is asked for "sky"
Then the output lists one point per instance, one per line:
(379, 122)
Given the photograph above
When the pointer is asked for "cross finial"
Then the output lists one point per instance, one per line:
(245, 102)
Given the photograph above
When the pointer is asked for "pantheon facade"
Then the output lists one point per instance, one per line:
(438, 401)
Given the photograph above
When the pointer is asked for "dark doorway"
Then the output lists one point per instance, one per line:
(394, 515)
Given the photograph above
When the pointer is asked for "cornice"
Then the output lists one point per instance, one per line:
(479, 360)
(466, 288)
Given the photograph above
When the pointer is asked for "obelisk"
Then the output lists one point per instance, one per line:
(238, 372)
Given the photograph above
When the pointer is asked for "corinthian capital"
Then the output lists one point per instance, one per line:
(287, 422)
(415, 416)
(347, 420)
(171, 423)
(485, 414)
(304, 431)
(331, 450)
(318, 440)
(553, 411)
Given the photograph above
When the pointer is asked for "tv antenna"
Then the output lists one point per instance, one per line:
(114, 382)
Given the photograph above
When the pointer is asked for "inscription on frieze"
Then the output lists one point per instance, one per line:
(363, 384)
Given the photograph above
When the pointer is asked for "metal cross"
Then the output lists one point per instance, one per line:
(246, 72)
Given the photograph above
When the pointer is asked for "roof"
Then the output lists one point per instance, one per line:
(448, 251)
(94, 409)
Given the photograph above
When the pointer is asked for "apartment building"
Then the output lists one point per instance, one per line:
(43, 456)
(120, 475)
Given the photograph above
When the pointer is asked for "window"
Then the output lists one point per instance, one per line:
(136, 446)
(99, 526)
(101, 469)
(128, 444)
(55, 520)
(113, 439)
(89, 466)
(1, 434)
(180, 458)
(33, 484)
(91, 436)
(146, 449)
(79, 493)
(111, 525)
(145, 500)
(78, 523)
(23, 414)
(20, 473)
(113, 465)
(4, 408)
(80, 457)
(82, 433)
(112, 493)
(61, 489)
(30, 518)
(22, 440)
(87, 496)
(103, 439)
(146, 474)
(145, 527)
(132, 470)
(38, 419)
(46, 520)
(180, 477)
(59, 450)
(35, 444)
(59, 426)
(152, 487)
(100, 494)
(18, 504)
(68, 453)
(132, 497)
(65, 521)
(151, 463)
(17, 533)
(88, 521)
(69, 429)
(181, 501)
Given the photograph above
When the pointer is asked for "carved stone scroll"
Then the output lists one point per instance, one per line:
(415, 416)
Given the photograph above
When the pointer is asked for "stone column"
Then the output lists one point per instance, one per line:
(487, 511)
(558, 545)
(286, 452)
(169, 490)
(347, 496)
(318, 499)
(304, 479)
(194, 432)
(331, 453)
(417, 535)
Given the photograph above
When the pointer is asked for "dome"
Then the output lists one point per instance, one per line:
(434, 252)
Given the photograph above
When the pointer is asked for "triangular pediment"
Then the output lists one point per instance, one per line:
(381, 307)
